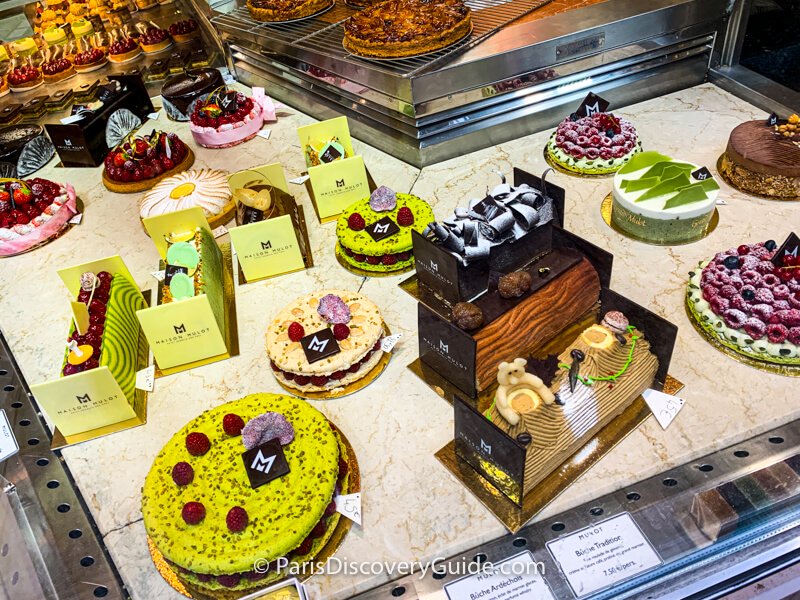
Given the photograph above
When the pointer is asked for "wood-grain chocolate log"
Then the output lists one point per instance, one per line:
(537, 319)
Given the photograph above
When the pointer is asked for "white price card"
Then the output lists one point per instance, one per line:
(390, 341)
(219, 231)
(76, 220)
(264, 133)
(664, 407)
(518, 577)
(299, 180)
(146, 378)
(601, 555)
(8, 443)
(350, 506)
(159, 274)
(153, 116)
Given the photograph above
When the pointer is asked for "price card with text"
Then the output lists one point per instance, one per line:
(517, 578)
(8, 443)
(337, 185)
(664, 406)
(267, 248)
(599, 556)
(350, 506)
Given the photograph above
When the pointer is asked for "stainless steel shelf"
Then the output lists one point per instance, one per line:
(67, 537)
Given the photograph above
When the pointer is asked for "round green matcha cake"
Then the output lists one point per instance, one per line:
(393, 252)
(216, 530)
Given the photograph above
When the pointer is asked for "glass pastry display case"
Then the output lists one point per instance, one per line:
(523, 64)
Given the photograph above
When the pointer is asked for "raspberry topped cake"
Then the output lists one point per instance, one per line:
(749, 303)
(155, 40)
(596, 145)
(394, 216)
(33, 211)
(141, 162)
(24, 78)
(226, 118)
(184, 31)
(325, 340)
(90, 60)
(124, 49)
(246, 483)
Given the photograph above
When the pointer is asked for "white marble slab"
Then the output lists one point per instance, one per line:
(413, 508)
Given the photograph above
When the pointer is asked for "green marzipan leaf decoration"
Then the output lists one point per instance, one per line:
(687, 195)
(635, 185)
(667, 186)
(657, 170)
(642, 161)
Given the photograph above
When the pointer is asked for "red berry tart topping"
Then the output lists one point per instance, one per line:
(123, 45)
(229, 581)
(302, 379)
(89, 57)
(183, 27)
(197, 443)
(356, 222)
(154, 36)
(389, 259)
(237, 519)
(305, 547)
(341, 331)
(296, 331)
(319, 380)
(24, 74)
(232, 424)
(193, 512)
(405, 217)
(182, 473)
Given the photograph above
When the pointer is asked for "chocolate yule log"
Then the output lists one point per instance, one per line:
(535, 320)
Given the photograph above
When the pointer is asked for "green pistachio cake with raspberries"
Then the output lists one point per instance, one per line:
(212, 526)
(389, 249)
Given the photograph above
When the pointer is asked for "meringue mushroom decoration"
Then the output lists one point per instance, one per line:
(519, 391)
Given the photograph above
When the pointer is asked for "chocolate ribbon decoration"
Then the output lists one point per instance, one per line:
(505, 214)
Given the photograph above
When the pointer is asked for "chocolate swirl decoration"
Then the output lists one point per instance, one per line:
(506, 213)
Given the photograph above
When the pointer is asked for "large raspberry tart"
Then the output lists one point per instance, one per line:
(764, 159)
(206, 188)
(202, 513)
(24, 78)
(749, 304)
(124, 49)
(227, 118)
(356, 325)
(596, 145)
(90, 60)
(141, 162)
(391, 253)
(662, 200)
(32, 212)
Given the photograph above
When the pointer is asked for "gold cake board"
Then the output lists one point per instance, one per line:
(606, 208)
(731, 351)
(327, 551)
(513, 516)
(573, 173)
(231, 332)
(350, 388)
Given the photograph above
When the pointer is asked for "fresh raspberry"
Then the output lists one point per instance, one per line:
(734, 318)
(774, 320)
(751, 277)
(794, 335)
(319, 380)
(403, 256)
(790, 318)
(341, 331)
(296, 331)
(710, 292)
(739, 303)
(287, 375)
(330, 509)
(229, 581)
(232, 424)
(354, 367)
(197, 443)
(342, 468)
(719, 304)
(389, 259)
(359, 257)
(373, 260)
(274, 367)
(347, 251)
(193, 512)
(763, 311)
(764, 267)
(764, 296)
(405, 217)
(302, 379)
(356, 222)
(237, 519)
(319, 530)
(305, 547)
(755, 328)
(337, 375)
(748, 262)
(781, 305)
(592, 153)
(182, 473)
(777, 334)
(256, 576)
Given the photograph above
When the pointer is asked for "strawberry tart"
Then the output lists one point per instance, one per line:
(141, 162)
(325, 340)
(750, 304)
(32, 212)
(596, 145)
(227, 118)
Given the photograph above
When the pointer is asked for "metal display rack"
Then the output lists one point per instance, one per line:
(524, 67)
(70, 545)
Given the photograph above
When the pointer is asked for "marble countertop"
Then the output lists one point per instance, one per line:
(413, 509)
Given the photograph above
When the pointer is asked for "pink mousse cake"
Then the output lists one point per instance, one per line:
(33, 211)
(228, 118)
